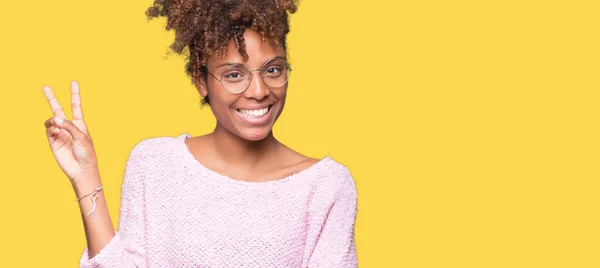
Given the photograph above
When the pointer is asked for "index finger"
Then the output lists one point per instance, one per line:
(54, 105)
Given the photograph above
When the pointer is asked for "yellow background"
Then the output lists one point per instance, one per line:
(471, 127)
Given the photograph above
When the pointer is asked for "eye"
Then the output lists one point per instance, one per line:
(233, 75)
(273, 71)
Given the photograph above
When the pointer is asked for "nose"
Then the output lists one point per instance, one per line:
(257, 89)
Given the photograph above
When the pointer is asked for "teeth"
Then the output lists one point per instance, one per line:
(254, 113)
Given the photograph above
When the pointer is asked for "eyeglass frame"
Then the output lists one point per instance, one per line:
(287, 64)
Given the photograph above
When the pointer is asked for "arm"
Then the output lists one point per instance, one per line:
(72, 147)
(335, 246)
(126, 248)
(99, 230)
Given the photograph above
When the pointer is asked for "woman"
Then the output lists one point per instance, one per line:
(236, 197)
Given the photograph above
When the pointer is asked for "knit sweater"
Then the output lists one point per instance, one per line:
(175, 212)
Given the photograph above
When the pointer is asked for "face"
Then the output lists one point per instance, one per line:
(251, 114)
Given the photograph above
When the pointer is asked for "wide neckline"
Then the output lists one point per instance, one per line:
(221, 177)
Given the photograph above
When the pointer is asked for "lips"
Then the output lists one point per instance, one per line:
(254, 113)
(255, 116)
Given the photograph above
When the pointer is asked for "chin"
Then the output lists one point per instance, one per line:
(255, 134)
(253, 127)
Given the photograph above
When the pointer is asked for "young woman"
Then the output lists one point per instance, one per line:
(236, 197)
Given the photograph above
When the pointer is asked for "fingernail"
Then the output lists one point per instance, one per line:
(58, 120)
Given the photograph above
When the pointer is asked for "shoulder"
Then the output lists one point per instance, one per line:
(335, 170)
(153, 158)
(155, 151)
(337, 176)
(335, 186)
(156, 146)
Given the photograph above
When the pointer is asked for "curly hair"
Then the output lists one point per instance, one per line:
(204, 27)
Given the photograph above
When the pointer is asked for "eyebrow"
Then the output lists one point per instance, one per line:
(238, 63)
(228, 64)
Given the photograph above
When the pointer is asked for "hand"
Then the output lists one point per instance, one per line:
(70, 141)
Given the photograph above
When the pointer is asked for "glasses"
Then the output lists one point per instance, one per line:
(236, 77)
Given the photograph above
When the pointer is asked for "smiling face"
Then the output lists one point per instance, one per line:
(251, 114)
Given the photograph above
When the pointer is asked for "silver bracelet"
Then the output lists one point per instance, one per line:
(93, 195)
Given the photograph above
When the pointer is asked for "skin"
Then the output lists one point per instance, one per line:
(234, 149)
(72, 147)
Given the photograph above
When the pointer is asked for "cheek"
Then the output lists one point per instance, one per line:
(220, 104)
(282, 96)
(220, 109)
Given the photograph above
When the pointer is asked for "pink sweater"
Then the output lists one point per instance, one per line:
(177, 213)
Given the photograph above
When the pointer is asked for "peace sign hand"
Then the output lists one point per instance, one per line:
(70, 141)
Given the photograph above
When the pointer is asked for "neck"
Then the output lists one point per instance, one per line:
(241, 152)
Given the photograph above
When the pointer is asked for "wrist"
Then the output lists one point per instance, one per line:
(86, 182)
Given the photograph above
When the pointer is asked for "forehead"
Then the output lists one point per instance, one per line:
(258, 51)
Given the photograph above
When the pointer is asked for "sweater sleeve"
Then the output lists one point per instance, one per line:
(335, 246)
(126, 248)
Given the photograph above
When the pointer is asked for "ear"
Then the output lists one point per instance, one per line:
(201, 87)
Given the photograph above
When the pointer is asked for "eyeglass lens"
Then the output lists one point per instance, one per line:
(274, 73)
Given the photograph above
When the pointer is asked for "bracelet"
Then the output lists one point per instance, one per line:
(94, 192)
(93, 195)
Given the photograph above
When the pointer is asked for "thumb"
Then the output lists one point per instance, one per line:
(67, 125)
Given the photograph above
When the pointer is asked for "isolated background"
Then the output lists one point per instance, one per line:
(471, 127)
